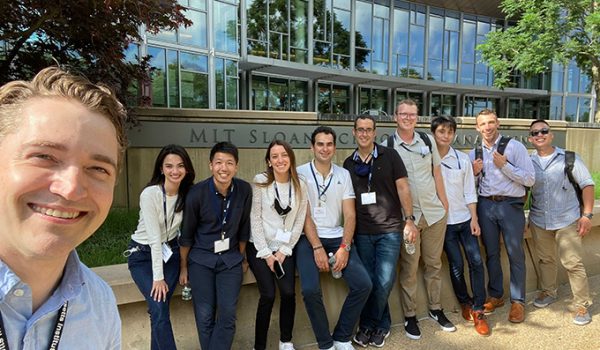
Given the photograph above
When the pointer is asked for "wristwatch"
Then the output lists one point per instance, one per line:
(346, 247)
(588, 215)
(410, 217)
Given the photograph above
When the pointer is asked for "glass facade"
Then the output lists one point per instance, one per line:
(222, 61)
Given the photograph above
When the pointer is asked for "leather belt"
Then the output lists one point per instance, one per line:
(498, 198)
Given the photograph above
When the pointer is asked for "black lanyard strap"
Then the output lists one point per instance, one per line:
(320, 193)
(56, 334)
(167, 227)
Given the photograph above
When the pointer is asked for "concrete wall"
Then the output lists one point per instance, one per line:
(136, 324)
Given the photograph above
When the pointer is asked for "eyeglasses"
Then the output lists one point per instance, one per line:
(543, 131)
(407, 115)
(364, 131)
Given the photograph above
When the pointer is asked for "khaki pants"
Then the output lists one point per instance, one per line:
(570, 251)
(429, 246)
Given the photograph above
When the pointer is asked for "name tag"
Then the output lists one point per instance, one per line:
(166, 252)
(320, 212)
(368, 198)
(424, 150)
(283, 235)
(221, 245)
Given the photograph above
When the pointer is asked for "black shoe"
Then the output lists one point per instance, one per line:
(378, 338)
(412, 328)
(362, 337)
(440, 318)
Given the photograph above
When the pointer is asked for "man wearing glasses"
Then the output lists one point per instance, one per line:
(556, 220)
(503, 176)
(381, 188)
(420, 156)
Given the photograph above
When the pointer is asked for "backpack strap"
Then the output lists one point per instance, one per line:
(569, 165)
(502, 144)
(426, 139)
(390, 141)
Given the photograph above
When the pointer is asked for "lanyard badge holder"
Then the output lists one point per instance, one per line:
(223, 244)
(366, 169)
(283, 235)
(320, 211)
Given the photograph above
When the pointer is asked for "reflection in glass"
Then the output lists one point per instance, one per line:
(195, 34)
(173, 67)
(571, 109)
(556, 107)
(225, 27)
(158, 75)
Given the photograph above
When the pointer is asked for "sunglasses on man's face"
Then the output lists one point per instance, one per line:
(543, 131)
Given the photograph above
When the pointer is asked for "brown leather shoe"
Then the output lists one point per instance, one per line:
(466, 312)
(481, 325)
(491, 304)
(517, 313)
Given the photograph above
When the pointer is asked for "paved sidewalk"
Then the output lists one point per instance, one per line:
(550, 328)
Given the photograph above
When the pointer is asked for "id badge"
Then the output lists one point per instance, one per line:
(320, 212)
(283, 236)
(368, 198)
(221, 245)
(424, 150)
(166, 252)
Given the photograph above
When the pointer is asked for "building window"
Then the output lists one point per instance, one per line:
(226, 83)
(373, 100)
(331, 28)
(333, 99)
(408, 51)
(278, 94)
(179, 79)
(278, 29)
(226, 27)
(371, 37)
(415, 96)
(473, 105)
(443, 105)
(443, 46)
(196, 34)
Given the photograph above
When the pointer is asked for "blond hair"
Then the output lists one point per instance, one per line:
(55, 82)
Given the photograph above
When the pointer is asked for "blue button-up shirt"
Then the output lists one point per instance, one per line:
(512, 178)
(554, 202)
(92, 320)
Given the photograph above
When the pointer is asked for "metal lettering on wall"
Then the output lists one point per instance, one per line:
(205, 135)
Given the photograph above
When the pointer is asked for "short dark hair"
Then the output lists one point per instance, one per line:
(539, 121)
(224, 147)
(443, 120)
(365, 116)
(322, 130)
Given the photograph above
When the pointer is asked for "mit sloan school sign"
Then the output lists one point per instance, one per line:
(205, 135)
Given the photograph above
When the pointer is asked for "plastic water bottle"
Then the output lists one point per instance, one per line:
(410, 247)
(335, 274)
(186, 292)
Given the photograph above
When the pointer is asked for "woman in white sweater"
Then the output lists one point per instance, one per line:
(154, 252)
(278, 212)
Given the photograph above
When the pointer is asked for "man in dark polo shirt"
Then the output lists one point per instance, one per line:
(216, 227)
(381, 186)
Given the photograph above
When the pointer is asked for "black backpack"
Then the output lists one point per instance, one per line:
(569, 165)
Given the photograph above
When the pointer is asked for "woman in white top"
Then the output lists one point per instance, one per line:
(153, 251)
(278, 211)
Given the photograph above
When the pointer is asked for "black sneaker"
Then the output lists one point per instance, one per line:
(362, 337)
(440, 318)
(412, 328)
(378, 338)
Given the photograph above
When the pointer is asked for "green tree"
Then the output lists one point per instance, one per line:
(546, 31)
(89, 36)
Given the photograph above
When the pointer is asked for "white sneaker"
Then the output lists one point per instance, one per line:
(286, 346)
(339, 345)
(331, 348)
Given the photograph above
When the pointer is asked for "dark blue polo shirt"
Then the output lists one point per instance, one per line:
(203, 222)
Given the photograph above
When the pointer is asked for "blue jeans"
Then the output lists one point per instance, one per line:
(506, 217)
(215, 292)
(140, 267)
(359, 285)
(379, 254)
(458, 235)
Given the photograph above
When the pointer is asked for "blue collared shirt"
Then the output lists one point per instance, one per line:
(92, 320)
(512, 178)
(554, 203)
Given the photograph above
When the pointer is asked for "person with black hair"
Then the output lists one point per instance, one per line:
(216, 227)
(381, 187)
(153, 253)
(558, 220)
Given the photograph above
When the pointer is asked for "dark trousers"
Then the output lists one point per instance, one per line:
(359, 287)
(458, 235)
(266, 281)
(140, 267)
(215, 292)
(507, 218)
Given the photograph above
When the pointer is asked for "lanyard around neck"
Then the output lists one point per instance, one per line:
(167, 227)
(321, 194)
(54, 337)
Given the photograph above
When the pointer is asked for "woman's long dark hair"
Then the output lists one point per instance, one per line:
(293, 173)
(158, 178)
